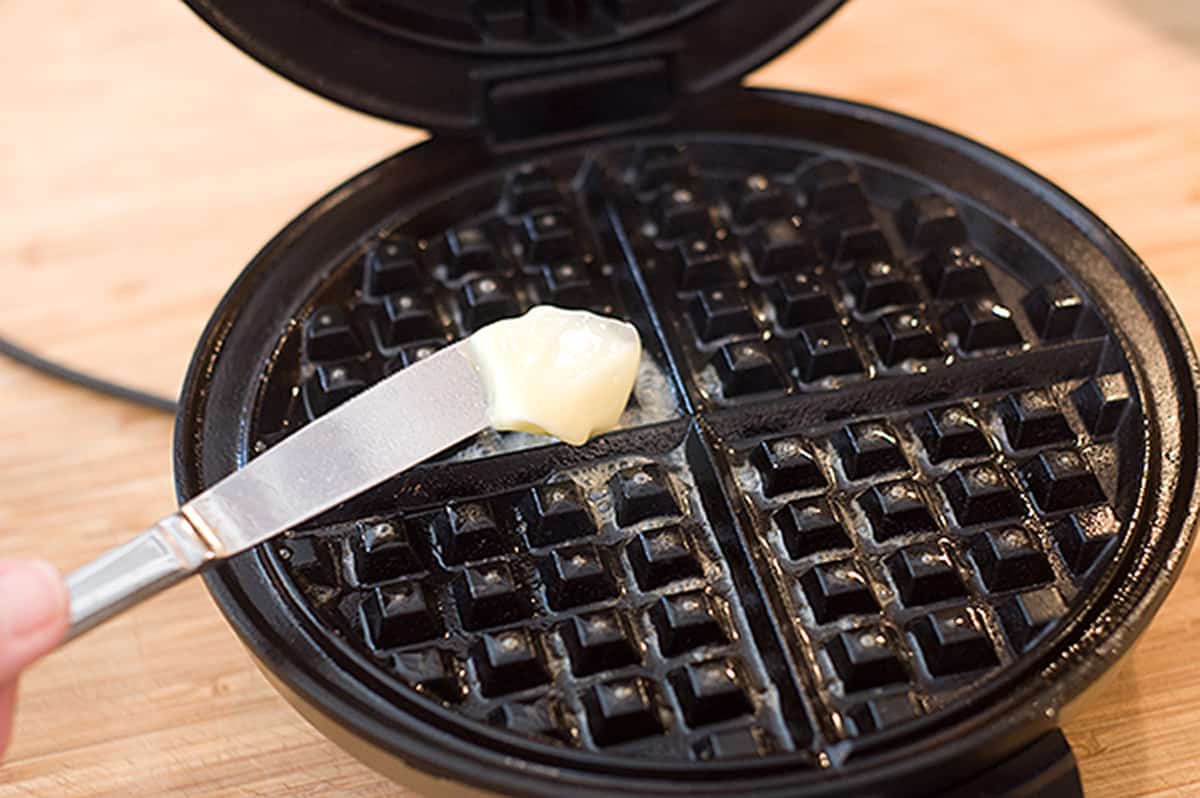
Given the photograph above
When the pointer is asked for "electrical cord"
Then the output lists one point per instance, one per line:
(82, 379)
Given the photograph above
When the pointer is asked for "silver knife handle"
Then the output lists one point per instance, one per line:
(163, 555)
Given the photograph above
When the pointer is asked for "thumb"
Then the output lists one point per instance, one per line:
(33, 613)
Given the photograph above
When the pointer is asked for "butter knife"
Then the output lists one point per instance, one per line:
(392, 426)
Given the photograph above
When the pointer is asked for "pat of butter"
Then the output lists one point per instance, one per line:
(566, 373)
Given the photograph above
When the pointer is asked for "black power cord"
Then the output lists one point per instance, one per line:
(82, 379)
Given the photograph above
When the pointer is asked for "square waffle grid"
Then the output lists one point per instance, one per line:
(793, 279)
(913, 564)
(852, 628)
(530, 25)
(595, 607)
(523, 240)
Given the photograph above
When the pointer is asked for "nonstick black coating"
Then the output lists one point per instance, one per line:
(448, 66)
(811, 718)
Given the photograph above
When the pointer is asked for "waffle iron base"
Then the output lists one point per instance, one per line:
(909, 464)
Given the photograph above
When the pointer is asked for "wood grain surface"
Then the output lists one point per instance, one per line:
(143, 160)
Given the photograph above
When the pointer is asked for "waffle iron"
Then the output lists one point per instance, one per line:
(909, 464)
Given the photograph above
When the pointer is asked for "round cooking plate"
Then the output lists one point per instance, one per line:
(892, 486)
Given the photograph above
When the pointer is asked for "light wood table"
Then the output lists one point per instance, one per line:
(143, 161)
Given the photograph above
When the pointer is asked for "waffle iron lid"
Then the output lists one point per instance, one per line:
(514, 69)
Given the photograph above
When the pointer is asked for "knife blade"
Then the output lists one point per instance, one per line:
(397, 423)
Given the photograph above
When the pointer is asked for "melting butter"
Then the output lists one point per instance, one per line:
(566, 373)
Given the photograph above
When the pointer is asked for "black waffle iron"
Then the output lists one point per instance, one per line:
(910, 462)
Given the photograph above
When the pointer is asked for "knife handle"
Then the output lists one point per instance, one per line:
(163, 555)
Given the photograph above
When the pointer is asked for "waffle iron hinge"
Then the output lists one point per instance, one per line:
(577, 101)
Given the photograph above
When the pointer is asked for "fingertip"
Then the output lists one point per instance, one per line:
(58, 613)
(33, 613)
(54, 585)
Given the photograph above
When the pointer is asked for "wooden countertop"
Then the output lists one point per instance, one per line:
(143, 162)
